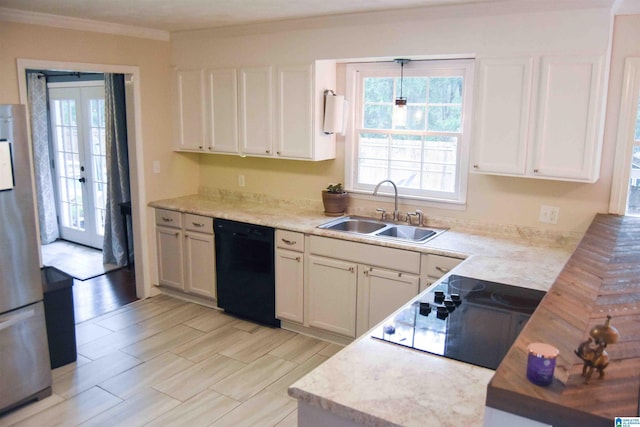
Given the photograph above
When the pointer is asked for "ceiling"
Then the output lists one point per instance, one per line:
(168, 16)
(182, 15)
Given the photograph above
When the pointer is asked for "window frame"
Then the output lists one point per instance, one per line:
(625, 138)
(356, 72)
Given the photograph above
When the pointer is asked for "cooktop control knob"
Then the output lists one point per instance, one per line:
(389, 329)
(450, 305)
(442, 312)
(456, 299)
(425, 308)
(438, 296)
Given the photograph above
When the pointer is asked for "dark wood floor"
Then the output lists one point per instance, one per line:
(104, 293)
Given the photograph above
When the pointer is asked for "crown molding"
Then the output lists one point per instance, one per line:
(67, 22)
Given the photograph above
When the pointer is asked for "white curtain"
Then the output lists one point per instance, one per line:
(117, 169)
(47, 217)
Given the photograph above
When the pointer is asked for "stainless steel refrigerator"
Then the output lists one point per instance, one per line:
(25, 371)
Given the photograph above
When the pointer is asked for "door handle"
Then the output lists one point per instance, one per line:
(83, 180)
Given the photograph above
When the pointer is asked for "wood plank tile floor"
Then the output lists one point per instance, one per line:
(166, 362)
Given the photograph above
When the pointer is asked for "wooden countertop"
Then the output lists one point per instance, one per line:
(601, 278)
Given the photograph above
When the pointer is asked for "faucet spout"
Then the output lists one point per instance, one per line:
(395, 190)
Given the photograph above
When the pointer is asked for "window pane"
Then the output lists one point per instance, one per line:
(414, 89)
(378, 90)
(633, 204)
(637, 134)
(445, 119)
(445, 90)
(377, 116)
(416, 119)
(440, 160)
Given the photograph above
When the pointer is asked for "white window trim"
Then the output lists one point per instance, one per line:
(465, 145)
(625, 142)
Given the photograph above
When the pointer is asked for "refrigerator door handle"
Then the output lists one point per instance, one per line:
(16, 318)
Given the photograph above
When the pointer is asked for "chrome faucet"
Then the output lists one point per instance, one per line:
(417, 213)
(395, 189)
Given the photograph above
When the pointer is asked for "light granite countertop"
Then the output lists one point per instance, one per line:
(379, 384)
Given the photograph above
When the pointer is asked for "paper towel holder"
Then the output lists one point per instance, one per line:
(333, 113)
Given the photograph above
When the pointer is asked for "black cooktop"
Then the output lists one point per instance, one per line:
(470, 320)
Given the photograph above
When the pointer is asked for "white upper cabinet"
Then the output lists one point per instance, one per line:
(295, 111)
(568, 126)
(256, 110)
(502, 115)
(539, 117)
(266, 111)
(189, 127)
(300, 111)
(222, 96)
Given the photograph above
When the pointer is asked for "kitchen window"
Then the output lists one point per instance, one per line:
(427, 157)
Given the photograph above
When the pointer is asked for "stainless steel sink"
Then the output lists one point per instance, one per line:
(407, 232)
(356, 225)
(381, 229)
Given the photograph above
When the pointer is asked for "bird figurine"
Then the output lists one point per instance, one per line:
(596, 357)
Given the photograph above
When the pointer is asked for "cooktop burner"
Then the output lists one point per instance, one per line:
(470, 320)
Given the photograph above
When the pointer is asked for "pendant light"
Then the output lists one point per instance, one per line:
(400, 107)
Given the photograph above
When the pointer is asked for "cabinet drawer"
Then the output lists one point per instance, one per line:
(203, 224)
(168, 218)
(437, 266)
(290, 240)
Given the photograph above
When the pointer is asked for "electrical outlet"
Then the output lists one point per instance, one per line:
(549, 214)
(240, 180)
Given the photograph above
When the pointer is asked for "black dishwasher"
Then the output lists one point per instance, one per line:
(245, 270)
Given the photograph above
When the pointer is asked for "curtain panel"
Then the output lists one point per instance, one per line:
(45, 193)
(118, 189)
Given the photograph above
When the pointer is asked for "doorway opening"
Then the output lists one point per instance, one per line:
(70, 128)
(136, 271)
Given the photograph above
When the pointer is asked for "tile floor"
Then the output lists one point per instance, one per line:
(166, 362)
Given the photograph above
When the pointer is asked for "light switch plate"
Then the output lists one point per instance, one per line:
(6, 166)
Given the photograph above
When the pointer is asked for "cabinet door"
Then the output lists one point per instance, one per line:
(332, 295)
(289, 285)
(295, 112)
(190, 129)
(568, 126)
(380, 293)
(502, 115)
(200, 273)
(256, 111)
(170, 256)
(223, 110)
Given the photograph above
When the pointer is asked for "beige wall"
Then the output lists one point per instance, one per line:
(152, 57)
(459, 30)
(179, 173)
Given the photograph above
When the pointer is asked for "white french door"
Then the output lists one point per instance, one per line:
(78, 129)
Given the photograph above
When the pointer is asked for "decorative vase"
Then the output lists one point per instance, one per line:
(335, 204)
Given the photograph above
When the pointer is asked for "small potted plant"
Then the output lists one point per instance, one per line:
(334, 199)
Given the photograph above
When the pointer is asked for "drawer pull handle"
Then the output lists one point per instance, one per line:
(197, 224)
(165, 219)
(442, 270)
(399, 274)
(289, 242)
(298, 258)
(177, 234)
(351, 269)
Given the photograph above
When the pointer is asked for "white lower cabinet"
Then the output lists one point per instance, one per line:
(170, 261)
(380, 293)
(200, 273)
(186, 257)
(332, 295)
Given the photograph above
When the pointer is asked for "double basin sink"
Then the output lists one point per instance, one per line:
(382, 229)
